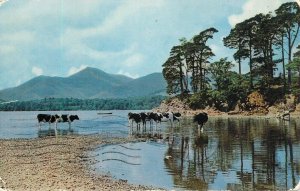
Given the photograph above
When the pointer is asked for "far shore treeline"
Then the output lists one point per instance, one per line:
(59, 104)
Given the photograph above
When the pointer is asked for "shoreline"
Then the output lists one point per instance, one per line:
(61, 163)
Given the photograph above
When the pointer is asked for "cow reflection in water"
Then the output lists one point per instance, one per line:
(148, 135)
(55, 132)
(177, 161)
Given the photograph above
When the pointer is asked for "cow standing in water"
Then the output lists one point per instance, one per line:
(164, 117)
(134, 117)
(66, 118)
(46, 118)
(201, 119)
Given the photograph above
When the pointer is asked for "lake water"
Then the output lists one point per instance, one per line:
(233, 154)
(25, 124)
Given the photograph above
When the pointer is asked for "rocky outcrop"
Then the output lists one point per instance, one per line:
(176, 105)
(255, 104)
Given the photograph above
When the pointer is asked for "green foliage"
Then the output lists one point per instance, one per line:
(294, 66)
(266, 40)
(220, 73)
(189, 57)
(59, 104)
(230, 86)
(199, 100)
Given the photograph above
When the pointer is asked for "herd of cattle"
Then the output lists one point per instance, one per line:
(137, 118)
(143, 117)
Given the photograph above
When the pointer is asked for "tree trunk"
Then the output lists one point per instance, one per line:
(290, 59)
(299, 77)
(283, 62)
(250, 64)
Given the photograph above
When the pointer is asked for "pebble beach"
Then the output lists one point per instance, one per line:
(56, 163)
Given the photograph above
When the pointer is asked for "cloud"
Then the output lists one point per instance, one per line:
(121, 72)
(133, 60)
(74, 70)
(253, 7)
(114, 19)
(2, 2)
(6, 49)
(20, 37)
(37, 71)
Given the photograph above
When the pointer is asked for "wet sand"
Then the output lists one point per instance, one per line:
(51, 163)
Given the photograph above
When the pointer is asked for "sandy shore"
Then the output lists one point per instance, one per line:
(53, 163)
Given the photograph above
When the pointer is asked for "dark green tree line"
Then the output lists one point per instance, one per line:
(63, 104)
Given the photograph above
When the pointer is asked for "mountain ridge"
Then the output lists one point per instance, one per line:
(86, 84)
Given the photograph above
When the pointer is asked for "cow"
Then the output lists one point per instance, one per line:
(201, 119)
(134, 117)
(176, 116)
(165, 117)
(170, 116)
(66, 118)
(46, 118)
(156, 117)
(144, 119)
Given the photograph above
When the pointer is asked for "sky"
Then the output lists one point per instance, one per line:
(129, 37)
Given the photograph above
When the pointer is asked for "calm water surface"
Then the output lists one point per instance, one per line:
(233, 154)
(25, 125)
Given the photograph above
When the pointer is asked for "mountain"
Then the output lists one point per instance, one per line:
(152, 84)
(87, 83)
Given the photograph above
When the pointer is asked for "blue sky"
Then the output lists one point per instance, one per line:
(130, 37)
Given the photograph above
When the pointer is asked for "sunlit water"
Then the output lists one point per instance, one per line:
(233, 154)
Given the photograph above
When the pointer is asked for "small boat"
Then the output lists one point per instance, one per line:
(104, 113)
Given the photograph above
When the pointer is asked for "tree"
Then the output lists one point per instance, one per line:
(172, 76)
(188, 57)
(230, 86)
(241, 38)
(294, 65)
(201, 53)
(265, 39)
(235, 41)
(219, 71)
(289, 14)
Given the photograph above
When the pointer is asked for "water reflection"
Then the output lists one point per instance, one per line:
(243, 154)
(55, 132)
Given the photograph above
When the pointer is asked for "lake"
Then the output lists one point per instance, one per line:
(25, 124)
(233, 154)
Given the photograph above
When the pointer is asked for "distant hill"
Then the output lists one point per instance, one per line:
(87, 84)
(152, 84)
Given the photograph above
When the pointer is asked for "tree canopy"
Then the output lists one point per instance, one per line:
(264, 43)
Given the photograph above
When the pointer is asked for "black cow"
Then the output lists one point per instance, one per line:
(156, 117)
(134, 117)
(144, 119)
(66, 118)
(46, 118)
(201, 119)
(176, 116)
